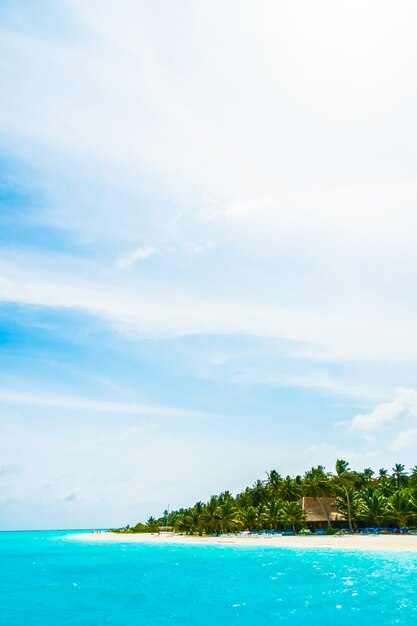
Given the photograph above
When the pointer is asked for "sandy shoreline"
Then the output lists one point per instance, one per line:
(393, 543)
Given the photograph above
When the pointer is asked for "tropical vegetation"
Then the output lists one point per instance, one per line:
(365, 497)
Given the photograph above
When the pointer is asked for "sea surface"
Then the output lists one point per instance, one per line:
(48, 579)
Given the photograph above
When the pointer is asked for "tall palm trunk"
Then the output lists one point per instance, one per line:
(325, 512)
(348, 509)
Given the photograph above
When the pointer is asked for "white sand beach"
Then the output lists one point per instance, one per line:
(395, 543)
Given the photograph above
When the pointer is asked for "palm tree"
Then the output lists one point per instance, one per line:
(259, 493)
(346, 492)
(373, 507)
(399, 475)
(347, 503)
(208, 515)
(249, 518)
(290, 490)
(227, 517)
(385, 485)
(413, 477)
(274, 481)
(185, 523)
(245, 498)
(366, 476)
(225, 496)
(402, 507)
(292, 514)
(152, 525)
(196, 513)
(273, 514)
(342, 467)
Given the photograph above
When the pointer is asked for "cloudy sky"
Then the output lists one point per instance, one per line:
(208, 252)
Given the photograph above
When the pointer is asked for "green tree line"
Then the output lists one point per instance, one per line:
(374, 498)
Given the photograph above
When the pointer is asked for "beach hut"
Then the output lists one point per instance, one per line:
(321, 512)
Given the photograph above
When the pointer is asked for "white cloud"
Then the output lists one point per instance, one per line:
(404, 439)
(127, 261)
(390, 427)
(266, 134)
(142, 104)
(403, 408)
(292, 165)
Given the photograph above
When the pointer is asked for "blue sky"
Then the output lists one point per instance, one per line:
(207, 249)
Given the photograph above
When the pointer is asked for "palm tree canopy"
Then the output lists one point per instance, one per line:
(360, 497)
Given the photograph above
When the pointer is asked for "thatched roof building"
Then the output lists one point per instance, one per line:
(320, 510)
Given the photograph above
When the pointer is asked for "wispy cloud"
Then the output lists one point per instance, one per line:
(198, 248)
(89, 405)
(152, 308)
(127, 261)
(323, 382)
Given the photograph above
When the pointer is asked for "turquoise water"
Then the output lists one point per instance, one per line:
(46, 579)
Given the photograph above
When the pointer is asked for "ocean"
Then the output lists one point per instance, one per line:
(47, 579)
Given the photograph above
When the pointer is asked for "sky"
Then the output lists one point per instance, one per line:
(207, 249)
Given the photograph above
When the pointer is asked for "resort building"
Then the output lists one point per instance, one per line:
(321, 512)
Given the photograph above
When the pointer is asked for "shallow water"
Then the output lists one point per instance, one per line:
(47, 579)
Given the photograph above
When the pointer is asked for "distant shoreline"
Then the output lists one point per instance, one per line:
(392, 543)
